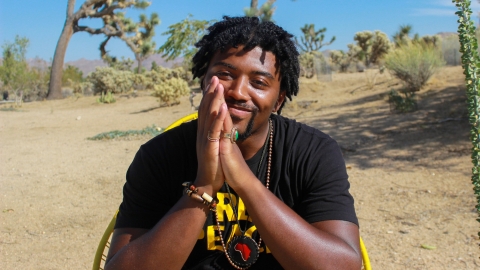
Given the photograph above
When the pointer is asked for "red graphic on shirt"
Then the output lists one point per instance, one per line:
(244, 250)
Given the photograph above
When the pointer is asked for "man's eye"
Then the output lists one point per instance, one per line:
(258, 82)
(222, 74)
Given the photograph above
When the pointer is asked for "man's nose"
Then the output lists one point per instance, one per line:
(238, 89)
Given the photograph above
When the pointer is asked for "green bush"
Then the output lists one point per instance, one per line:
(109, 80)
(72, 76)
(151, 131)
(402, 104)
(166, 84)
(22, 82)
(414, 64)
(83, 88)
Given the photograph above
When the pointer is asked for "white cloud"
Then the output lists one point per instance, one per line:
(443, 8)
(475, 5)
(434, 12)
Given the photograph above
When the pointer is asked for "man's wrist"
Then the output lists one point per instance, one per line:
(200, 196)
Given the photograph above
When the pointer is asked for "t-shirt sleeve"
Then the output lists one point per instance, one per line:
(153, 180)
(325, 195)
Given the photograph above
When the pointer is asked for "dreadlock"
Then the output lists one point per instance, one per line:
(250, 32)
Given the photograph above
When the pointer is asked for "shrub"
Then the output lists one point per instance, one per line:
(107, 79)
(166, 84)
(83, 88)
(151, 131)
(24, 82)
(414, 64)
(72, 76)
(402, 104)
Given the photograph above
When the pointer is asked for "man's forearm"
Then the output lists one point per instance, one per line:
(295, 243)
(168, 244)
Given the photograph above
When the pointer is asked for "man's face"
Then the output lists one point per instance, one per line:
(252, 86)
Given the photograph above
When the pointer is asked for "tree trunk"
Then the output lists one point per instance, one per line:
(139, 68)
(55, 85)
(254, 4)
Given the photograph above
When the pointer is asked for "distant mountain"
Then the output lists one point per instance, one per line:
(87, 66)
(38, 63)
(447, 34)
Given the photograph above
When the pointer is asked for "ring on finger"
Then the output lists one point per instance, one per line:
(212, 139)
(232, 135)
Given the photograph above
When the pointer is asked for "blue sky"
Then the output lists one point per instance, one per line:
(42, 21)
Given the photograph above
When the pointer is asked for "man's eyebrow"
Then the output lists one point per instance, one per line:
(225, 65)
(263, 73)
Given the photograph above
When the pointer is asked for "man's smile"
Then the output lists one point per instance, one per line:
(240, 110)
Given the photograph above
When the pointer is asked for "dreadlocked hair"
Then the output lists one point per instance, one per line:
(251, 32)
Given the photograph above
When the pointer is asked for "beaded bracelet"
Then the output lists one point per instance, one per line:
(206, 199)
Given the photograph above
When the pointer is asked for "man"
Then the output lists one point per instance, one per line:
(281, 187)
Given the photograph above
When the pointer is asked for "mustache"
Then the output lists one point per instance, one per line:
(237, 103)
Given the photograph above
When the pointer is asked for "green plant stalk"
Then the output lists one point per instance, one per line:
(471, 67)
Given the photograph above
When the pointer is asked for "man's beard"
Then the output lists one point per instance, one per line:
(249, 128)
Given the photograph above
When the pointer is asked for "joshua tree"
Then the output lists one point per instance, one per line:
(93, 9)
(310, 44)
(138, 40)
(373, 46)
(265, 12)
(344, 59)
(312, 40)
(402, 35)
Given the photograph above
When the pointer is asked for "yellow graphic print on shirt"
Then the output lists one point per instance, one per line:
(225, 210)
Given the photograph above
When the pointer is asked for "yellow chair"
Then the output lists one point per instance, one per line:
(104, 245)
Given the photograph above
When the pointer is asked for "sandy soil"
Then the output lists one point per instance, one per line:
(410, 173)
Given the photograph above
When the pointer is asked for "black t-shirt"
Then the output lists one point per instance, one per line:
(307, 173)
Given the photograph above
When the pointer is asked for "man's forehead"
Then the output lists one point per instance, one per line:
(239, 52)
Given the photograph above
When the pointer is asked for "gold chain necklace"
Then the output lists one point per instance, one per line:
(243, 251)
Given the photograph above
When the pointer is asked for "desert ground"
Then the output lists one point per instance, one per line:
(409, 173)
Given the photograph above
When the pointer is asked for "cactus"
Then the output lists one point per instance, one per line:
(471, 66)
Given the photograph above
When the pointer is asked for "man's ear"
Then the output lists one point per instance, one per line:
(280, 100)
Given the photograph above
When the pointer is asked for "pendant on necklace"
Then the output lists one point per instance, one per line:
(243, 251)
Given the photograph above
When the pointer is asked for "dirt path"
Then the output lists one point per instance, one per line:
(410, 173)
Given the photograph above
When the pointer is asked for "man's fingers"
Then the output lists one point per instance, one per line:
(204, 108)
(216, 129)
(227, 129)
